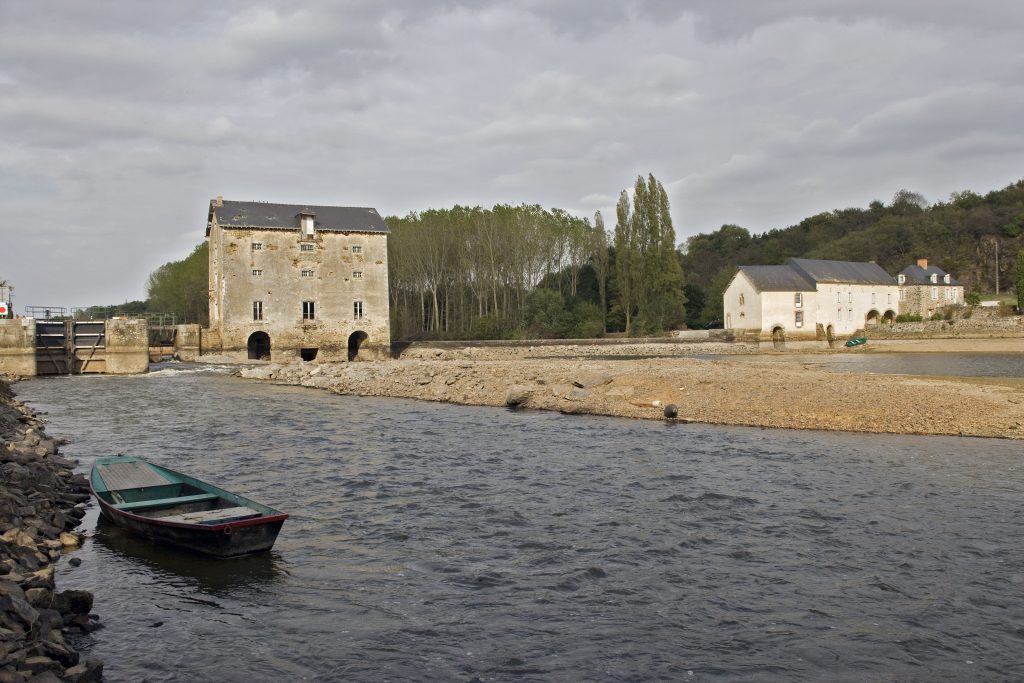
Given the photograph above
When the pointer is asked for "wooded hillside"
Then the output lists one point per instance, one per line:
(962, 236)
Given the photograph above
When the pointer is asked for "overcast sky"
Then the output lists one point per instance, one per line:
(120, 120)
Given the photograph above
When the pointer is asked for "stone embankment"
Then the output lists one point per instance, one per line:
(761, 392)
(41, 501)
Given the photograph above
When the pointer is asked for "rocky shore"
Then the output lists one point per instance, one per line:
(752, 391)
(41, 501)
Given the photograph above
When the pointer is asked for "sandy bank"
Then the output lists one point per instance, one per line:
(756, 392)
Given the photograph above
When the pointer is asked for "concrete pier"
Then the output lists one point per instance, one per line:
(29, 347)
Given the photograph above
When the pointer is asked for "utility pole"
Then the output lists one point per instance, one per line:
(997, 265)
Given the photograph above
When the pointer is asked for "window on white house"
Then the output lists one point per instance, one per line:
(257, 246)
(935, 292)
(257, 310)
(839, 298)
(872, 297)
(257, 272)
(309, 310)
(798, 299)
(357, 249)
(849, 314)
(888, 297)
(798, 319)
(357, 310)
(849, 298)
(357, 275)
(307, 246)
(839, 315)
(741, 298)
(307, 273)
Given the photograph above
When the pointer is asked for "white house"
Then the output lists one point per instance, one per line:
(809, 299)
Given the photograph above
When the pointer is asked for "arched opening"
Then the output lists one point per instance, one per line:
(355, 340)
(889, 317)
(872, 317)
(778, 338)
(259, 346)
(308, 354)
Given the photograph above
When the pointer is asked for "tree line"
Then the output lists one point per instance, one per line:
(528, 272)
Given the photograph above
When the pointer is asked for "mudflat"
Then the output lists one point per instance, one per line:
(764, 391)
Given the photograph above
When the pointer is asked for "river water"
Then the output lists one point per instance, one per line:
(439, 542)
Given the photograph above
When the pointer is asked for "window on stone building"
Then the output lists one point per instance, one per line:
(307, 273)
(357, 310)
(798, 319)
(257, 272)
(257, 310)
(357, 275)
(306, 246)
(935, 292)
(903, 295)
(953, 295)
(309, 310)
(357, 249)
(934, 278)
(257, 246)
(798, 299)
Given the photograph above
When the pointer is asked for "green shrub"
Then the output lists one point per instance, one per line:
(908, 318)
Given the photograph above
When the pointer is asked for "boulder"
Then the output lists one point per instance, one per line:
(518, 394)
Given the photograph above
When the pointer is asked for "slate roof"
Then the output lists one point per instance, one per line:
(916, 275)
(844, 272)
(777, 279)
(284, 216)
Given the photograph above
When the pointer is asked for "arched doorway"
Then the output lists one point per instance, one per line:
(259, 346)
(872, 317)
(355, 340)
(778, 338)
(889, 317)
(308, 354)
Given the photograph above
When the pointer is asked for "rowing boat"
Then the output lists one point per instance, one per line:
(173, 508)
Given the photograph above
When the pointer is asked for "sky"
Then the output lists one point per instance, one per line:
(119, 121)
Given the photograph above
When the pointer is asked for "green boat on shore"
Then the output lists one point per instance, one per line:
(857, 341)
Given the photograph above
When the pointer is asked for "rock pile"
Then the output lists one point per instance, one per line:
(41, 501)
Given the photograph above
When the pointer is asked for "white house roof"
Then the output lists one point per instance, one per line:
(777, 279)
(804, 275)
(842, 272)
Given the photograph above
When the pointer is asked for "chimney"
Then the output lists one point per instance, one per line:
(923, 263)
(220, 201)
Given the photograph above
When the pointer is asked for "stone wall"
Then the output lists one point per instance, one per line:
(980, 324)
(18, 347)
(187, 342)
(127, 351)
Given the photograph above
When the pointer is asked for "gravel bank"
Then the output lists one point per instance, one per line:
(41, 501)
(761, 392)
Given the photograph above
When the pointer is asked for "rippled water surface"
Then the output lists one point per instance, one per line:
(438, 542)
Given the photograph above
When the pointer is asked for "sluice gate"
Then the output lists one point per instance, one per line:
(30, 347)
(71, 347)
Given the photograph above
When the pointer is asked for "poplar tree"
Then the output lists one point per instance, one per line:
(599, 262)
(648, 272)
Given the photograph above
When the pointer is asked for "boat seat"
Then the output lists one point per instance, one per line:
(166, 502)
(213, 516)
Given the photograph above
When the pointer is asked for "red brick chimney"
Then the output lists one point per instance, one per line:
(923, 262)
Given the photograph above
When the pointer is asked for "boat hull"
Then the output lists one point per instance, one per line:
(228, 540)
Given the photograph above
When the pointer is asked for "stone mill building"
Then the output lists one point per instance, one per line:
(297, 281)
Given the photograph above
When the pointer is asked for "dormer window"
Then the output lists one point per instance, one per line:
(901, 278)
(934, 278)
(307, 223)
(946, 278)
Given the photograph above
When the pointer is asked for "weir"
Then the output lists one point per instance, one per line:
(30, 347)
